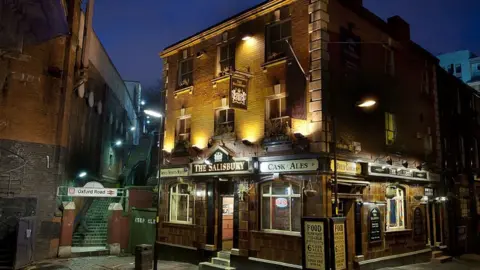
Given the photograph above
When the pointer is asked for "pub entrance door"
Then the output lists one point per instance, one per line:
(225, 208)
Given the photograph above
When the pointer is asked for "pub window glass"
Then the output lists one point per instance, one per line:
(390, 128)
(225, 121)
(281, 206)
(185, 70)
(277, 34)
(227, 57)
(183, 129)
(180, 207)
(396, 210)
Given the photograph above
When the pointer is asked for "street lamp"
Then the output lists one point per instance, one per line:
(118, 143)
(82, 174)
(153, 113)
(367, 103)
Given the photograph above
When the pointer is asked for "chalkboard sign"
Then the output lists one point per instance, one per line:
(375, 228)
(417, 223)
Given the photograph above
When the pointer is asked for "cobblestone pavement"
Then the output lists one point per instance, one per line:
(104, 263)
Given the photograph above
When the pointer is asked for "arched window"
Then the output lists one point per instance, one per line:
(180, 206)
(281, 206)
(396, 209)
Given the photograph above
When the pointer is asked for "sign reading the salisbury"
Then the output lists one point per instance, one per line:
(92, 192)
(339, 243)
(232, 166)
(238, 92)
(375, 229)
(300, 165)
(314, 239)
(174, 172)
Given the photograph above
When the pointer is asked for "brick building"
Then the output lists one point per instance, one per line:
(61, 110)
(250, 139)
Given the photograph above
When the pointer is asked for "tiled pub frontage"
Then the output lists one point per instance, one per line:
(253, 209)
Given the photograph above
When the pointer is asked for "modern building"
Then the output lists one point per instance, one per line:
(464, 65)
(274, 113)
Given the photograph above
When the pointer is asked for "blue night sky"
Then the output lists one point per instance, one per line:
(134, 32)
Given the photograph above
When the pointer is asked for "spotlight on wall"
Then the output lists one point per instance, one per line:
(405, 164)
(389, 161)
(82, 174)
(201, 53)
(247, 37)
(208, 162)
(132, 129)
(143, 102)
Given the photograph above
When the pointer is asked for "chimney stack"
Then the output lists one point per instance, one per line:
(399, 28)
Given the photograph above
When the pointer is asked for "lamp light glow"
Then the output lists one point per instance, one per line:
(246, 37)
(143, 102)
(82, 174)
(118, 143)
(132, 128)
(367, 103)
(153, 113)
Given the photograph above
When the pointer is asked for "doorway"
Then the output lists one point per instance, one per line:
(347, 208)
(226, 202)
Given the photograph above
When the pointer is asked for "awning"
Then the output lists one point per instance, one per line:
(31, 22)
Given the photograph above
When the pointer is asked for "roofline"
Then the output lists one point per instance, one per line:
(232, 22)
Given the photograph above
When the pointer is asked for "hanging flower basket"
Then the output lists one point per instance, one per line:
(310, 192)
(391, 192)
(418, 197)
(243, 191)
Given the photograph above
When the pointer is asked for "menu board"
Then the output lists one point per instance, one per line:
(339, 244)
(375, 228)
(417, 223)
(314, 239)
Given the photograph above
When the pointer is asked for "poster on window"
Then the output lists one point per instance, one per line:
(315, 243)
(238, 92)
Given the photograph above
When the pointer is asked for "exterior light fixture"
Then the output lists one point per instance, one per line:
(208, 162)
(132, 129)
(196, 148)
(148, 122)
(367, 103)
(118, 143)
(405, 163)
(143, 102)
(153, 113)
(389, 161)
(247, 142)
(82, 174)
(246, 37)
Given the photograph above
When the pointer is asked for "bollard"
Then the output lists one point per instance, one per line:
(143, 257)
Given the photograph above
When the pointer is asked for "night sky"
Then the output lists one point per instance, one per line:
(135, 31)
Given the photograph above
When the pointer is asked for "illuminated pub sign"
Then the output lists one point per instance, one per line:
(220, 162)
(238, 92)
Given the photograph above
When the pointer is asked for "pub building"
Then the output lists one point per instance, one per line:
(247, 175)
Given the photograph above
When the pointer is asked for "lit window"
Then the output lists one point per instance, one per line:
(224, 121)
(389, 61)
(396, 209)
(183, 129)
(227, 58)
(185, 70)
(390, 128)
(281, 206)
(277, 33)
(181, 209)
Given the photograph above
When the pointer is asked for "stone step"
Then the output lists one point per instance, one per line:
(442, 259)
(221, 261)
(211, 266)
(437, 253)
(224, 254)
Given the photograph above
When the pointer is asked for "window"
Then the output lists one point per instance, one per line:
(185, 70)
(390, 129)
(428, 141)
(277, 35)
(277, 118)
(396, 210)
(425, 82)
(389, 61)
(281, 206)
(183, 129)
(224, 121)
(458, 70)
(227, 58)
(461, 150)
(181, 210)
(449, 68)
(475, 154)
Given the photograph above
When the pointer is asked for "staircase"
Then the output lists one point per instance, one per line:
(439, 257)
(222, 261)
(97, 223)
(139, 153)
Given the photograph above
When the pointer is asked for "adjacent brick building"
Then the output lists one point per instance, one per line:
(250, 118)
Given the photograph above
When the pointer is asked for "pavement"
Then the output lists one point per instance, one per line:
(104, 263)
(464, 262)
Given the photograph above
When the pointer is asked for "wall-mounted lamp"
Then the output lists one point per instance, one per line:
(247, 37)
(82, 174)
(405, 164)
(389, 161)
(143, 102)
(208, 162)
(118, 143)
(201, 53)
(367, 103)
(196, 148)
(132, 129)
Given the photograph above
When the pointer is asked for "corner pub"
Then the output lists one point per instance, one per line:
(249, 178)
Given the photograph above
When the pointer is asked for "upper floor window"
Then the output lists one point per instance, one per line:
(395, 208)
(183, 129)
(281, 206)
(449, 68)
(224, 121)
(426, 81)
(185, 70)
(277, 118)
(428, 141)
(278, 33)
(227, 58)
(181, 210)
(476, 161)
(461, 150)
(458, 70)
(389, 61)
(390, 129)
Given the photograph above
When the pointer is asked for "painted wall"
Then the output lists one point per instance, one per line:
(458, 57)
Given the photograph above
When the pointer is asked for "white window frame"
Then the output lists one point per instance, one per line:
(269, 42)
(288, 197)
(177, 128)
(230, 57)
(400, 198)
(184, 58)
(217, 116)
(171, 210)
(275, 97)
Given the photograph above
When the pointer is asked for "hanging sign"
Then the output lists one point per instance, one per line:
(300, 165)
(339, 243)
(375, 229)
(174, 172)
(315, 245)
(92, 192)
(238, 92)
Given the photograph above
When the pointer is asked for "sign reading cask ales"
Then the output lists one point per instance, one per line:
(375, 229)
(238, 92)
(314, 243)
(417, 223)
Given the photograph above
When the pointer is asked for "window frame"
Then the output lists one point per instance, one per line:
(217, 117)
(230, 59)
(270, 195)
(403, 203)
(269, 42)
(390, 117)
(180, 74)
(455, 70)
(170, 208)
(177, 128)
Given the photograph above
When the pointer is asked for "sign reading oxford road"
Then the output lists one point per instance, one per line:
(300, 165)
(92, 192)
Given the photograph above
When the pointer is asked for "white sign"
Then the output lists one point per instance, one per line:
(314, 245)
(174, 172)
(300, 165)
(281, 202)
(92, 192)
